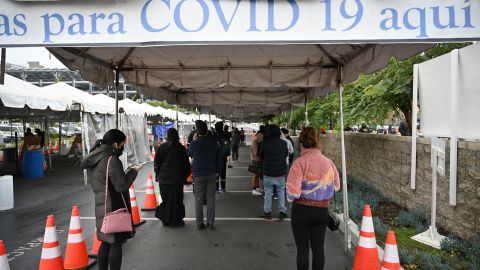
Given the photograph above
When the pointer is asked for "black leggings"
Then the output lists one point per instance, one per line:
(308, 226)
(110, 254)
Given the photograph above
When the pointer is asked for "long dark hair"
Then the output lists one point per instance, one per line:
(112, 136)
(172, 136)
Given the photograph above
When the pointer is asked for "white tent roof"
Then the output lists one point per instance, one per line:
(73, 95)
(16, 93)
(216, 78)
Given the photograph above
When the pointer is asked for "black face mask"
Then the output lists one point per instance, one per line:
(118, 152)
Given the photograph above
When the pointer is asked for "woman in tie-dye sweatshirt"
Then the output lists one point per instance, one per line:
(311, 183)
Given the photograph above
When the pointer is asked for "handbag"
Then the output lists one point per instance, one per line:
(253, 168)
(333, 222)
(116, 221)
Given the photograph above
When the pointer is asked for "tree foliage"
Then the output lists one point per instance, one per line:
(371, 98)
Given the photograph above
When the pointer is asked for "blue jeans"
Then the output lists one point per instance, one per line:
(268, 183)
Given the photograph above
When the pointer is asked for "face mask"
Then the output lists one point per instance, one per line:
(118, 152)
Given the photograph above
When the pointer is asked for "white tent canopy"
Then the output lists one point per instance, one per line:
(214, 78)
(16, 93)
(72, 95)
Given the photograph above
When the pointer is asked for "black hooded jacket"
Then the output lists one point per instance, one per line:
(172, 165)
(274, 152)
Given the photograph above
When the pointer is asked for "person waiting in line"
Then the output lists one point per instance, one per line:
(242, 136)
(41, 134)
(172, 168)
(206, 164)
(223, 139)
(274, 153)
(107, 151)
(284, 136)
(235, 144)
(257, 161)
(29, 133)
(228, 139)
(311, 184)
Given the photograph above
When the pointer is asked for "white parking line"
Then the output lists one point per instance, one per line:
(193, 219)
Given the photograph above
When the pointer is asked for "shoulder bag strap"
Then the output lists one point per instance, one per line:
(106, 188)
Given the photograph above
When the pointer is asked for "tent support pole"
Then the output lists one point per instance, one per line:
(60, 137)
(306, 111)
(47, 129)
(2, 65)
(413, 166)
(85, 178)
(346, 217)
(59, 140)
(176, 111)
(117, 84)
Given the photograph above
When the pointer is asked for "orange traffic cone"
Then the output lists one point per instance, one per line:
(51, 258)
(391, 260)
(50, 148)
(76, 255)
(133, 202)
(96, 244)
(366, 256)
(150, 202)
(3, 257)
(45, 152)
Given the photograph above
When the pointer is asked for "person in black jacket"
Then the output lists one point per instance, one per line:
(172, 168)
(110, 148)
(274, 152)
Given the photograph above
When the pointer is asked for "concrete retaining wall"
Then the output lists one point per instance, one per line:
(384, 160)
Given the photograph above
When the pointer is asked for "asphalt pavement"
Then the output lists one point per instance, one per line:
(241, 240)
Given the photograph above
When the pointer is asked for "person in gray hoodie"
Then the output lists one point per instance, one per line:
(119, 182)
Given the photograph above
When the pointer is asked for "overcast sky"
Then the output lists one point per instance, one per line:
(21, 56)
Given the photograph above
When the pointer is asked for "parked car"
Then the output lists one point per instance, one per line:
(71, 130)
(5, 137)
(10, 130)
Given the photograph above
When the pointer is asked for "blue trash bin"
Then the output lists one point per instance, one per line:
(33, 164)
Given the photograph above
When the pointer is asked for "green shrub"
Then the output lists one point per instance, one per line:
(414, 219)
(380, 228)
(474, 256)
(405, 256)
(432, 261)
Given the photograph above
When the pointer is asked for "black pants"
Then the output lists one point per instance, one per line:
(308, 226)
(110, 254)
(223, 174)
(172, 210)
(235, 153)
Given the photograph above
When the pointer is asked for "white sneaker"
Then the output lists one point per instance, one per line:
(256, 193)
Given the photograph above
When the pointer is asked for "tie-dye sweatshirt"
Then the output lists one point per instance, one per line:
(312, 179)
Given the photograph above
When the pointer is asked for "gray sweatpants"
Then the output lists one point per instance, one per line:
(205, 185)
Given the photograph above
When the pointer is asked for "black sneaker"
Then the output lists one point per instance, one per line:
(230, 166)
(282, 216)
(211, 227)
(178, 225)
(201, 227)
(267, 215)
(275, 197)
